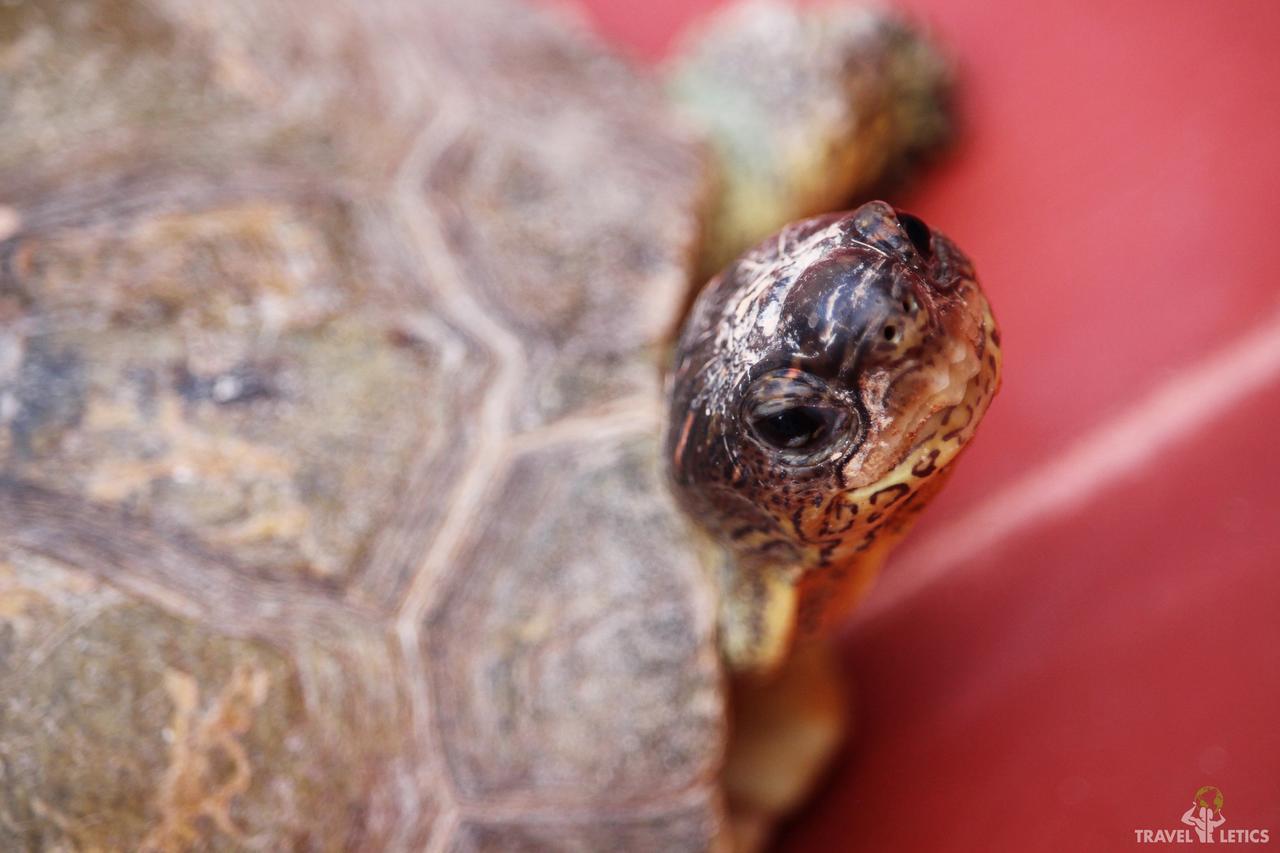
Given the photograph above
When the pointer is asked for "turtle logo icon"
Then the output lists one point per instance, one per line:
(1205, 813)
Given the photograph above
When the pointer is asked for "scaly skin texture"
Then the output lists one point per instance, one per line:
(867, 320)
(805, 109)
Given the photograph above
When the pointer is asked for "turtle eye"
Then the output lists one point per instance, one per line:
(918, 233)
(792, 411)
(798, 428)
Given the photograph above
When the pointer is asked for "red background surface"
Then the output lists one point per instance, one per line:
(1090, 667)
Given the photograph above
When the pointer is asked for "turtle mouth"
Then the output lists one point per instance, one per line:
(967, 377)
(925, 410)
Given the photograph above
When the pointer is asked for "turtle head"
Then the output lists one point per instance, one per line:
(824, 384)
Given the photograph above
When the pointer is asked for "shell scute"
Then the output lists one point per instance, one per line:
(287, 290)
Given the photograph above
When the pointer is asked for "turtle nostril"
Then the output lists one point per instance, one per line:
(917, 232)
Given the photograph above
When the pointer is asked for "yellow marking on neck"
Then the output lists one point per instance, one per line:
(757, 619)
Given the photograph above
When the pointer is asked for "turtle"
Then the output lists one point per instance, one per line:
(360, 488)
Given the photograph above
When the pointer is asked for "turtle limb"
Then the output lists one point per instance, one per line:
(757, 617)
(804, 109)
(785, 731)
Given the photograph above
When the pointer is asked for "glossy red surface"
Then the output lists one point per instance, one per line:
(1095, 652)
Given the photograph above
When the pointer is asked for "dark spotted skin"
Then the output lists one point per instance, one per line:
(823, 386)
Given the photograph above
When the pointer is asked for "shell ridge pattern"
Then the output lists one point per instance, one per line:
(397, 83)
(529, 809)
(466, 494)
(494, 438)
(491, 426)
(157, 565)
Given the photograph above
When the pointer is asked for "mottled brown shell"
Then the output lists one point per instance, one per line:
(331, 515)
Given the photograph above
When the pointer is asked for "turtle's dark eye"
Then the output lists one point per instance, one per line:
(798, 428)
(918, 233)
(796, 412)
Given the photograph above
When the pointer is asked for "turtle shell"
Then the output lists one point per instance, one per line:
(331, 515)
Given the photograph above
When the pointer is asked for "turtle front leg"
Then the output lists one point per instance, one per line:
(785, 730)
